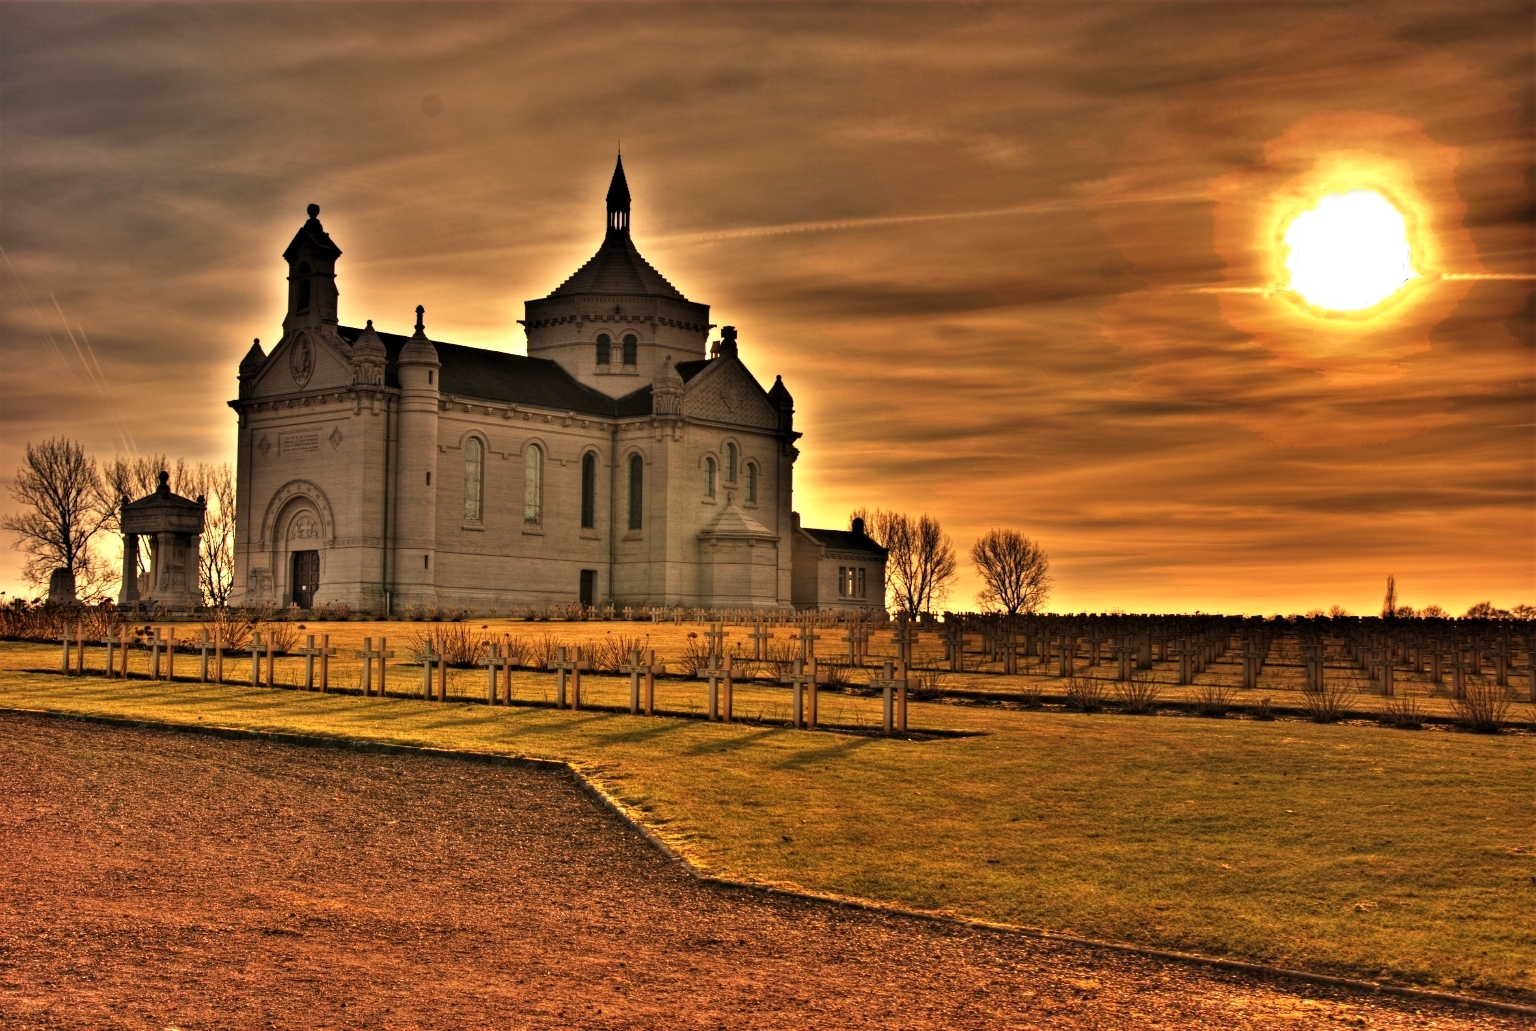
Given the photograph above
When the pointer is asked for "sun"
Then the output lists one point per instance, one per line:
(1348, 253)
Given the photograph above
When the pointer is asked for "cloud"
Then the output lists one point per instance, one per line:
(960, 232)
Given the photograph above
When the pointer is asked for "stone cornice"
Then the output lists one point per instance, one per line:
(344, 395)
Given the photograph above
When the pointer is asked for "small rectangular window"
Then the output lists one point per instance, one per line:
(842, 581)
(429, 479)
(861, 582)
(426, 561)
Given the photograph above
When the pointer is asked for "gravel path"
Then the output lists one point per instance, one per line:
(165, 880)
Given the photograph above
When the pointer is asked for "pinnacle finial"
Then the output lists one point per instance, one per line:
(618, 200)
(370, 323)
(314, 211)
(420, 324)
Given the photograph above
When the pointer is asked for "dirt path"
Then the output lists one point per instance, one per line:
(162, 880)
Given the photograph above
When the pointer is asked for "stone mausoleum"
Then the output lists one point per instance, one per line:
(625, 459)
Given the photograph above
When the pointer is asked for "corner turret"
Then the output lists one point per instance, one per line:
(418, 358)
(250, 366)
(779, 397)
(369, 357)
(667, 390)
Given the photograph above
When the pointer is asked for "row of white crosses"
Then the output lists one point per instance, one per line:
(162, 641)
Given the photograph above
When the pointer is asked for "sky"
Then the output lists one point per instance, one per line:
(1018, 264)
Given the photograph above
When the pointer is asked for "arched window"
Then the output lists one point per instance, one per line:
(636, 489)
(604, 349)
(751, 484)
(533, 485)
(301, 297)
(631, 349)
(709, 477)
(474, 472)
(730, 463)
(588, 491)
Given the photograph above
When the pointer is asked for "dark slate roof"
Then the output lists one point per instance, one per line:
(496, 376)
(845, 540)
(617, 268)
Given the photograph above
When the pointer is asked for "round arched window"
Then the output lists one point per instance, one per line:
(631, 349)
(604, 349)
(533, 485)
(474, 478)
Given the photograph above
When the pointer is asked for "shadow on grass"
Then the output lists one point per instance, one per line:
(841, 749)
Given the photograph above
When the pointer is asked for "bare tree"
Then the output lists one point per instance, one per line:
(920, 564)
(62, 491)
(216, 564)
(1015, 570)
(1389, 604)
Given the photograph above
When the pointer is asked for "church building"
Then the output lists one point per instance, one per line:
(617, 462)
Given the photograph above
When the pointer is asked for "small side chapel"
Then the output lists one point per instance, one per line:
(618, 462)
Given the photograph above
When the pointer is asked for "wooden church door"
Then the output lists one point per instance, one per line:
(306, 578)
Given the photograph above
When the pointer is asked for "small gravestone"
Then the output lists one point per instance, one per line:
(61, 588)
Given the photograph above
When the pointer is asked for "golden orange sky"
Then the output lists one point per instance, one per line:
(1015, 262)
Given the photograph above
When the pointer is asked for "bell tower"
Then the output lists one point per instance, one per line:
(312, 295)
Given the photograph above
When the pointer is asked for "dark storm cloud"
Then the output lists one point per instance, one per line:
(959, 231)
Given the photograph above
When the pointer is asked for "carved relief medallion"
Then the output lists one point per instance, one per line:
(301, 360)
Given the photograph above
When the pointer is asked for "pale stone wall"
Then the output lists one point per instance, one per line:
(565, 329)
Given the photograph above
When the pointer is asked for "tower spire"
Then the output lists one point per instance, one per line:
(618, 201)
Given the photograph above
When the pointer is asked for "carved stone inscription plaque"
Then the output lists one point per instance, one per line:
(299, 442)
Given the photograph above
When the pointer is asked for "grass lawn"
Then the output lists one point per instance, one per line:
(1356, 850)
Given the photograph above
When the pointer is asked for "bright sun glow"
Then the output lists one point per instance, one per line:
(1349, 253)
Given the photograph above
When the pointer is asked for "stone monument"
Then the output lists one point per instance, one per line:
(174, 526)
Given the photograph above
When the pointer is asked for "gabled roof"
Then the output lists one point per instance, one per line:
(844, 540)
(617, 268)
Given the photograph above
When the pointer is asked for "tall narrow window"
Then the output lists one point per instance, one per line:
(588, 491)
(604, 349)
(751, 484)
(709, 477)
(730, 463)
(636, 490)
(842, 580)
(861, 582)
(474, 471)
(631, 349)
(533, 485)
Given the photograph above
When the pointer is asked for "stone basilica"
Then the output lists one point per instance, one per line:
(616, 463)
